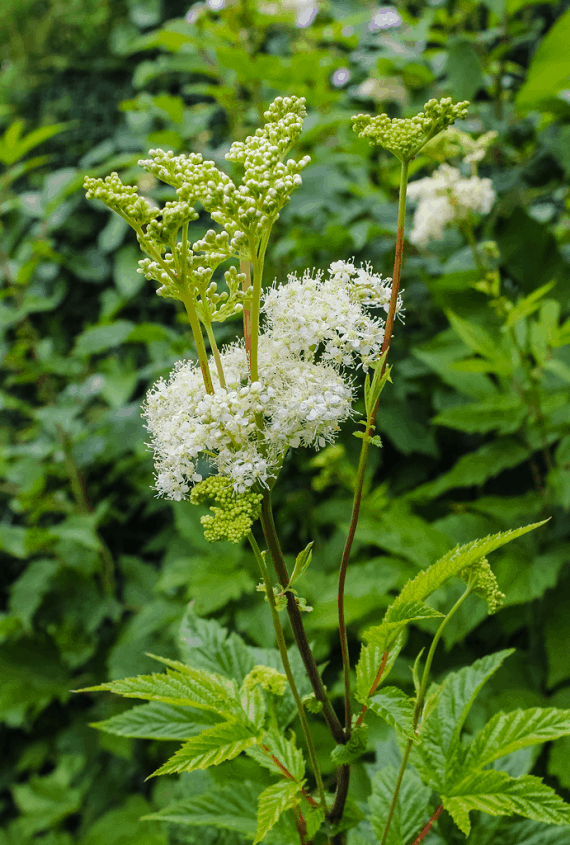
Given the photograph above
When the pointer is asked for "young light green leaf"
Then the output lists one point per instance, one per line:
(434, 756)
(506, 732)
(396, 617)
(368, 665)
(499, 794)
(210, 748)
(273, 748)
(411, 808)
(424, 584)
(273, 801)
(268, 678)
(394, 706)
(231, 806)
(253, 704)
(354, 748)
(301, 564)
(158, 721)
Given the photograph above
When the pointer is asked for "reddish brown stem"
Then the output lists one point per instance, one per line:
(428, 826)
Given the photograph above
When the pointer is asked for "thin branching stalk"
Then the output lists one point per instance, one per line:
(361, 471)
(215, 353)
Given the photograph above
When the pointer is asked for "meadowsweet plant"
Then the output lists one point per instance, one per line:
(221, 427)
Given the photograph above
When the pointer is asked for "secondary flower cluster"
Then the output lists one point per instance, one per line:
(405, 136)
(445, 197)
(314, 328)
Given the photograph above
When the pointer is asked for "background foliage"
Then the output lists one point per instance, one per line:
(476, 430)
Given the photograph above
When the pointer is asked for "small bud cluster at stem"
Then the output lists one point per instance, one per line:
(484, 582)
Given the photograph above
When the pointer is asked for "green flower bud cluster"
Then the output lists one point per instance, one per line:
(484, 583)
(235, 514)
(404, 137)
(268, 678)
(121, 198)
(247, 211)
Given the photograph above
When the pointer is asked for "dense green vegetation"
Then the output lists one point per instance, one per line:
(475, 428)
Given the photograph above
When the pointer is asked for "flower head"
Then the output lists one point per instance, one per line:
(444, 197)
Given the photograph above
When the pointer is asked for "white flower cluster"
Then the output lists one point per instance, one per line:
(314, 315)
(445, 197)
(245, 429)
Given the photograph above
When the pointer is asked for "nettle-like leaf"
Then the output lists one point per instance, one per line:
(439, 736)
(411, 812)
(184, 686)
(273, 801)
(213, 746)
(205, 645)
(498, 794)
(396, 708)
(272, 747)
(507, 732)
(229, 806)
(253, 705)
(369, 663)
(159, 721)
(427, 582)
(395, 619)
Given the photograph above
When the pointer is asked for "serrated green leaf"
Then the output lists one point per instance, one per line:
(369, 664)
(273, 801)
(441, 730)
(411, 810)
(395, 707)
(424, 584)
(158, 721)
(499, 794)
(193, 688)
(231, 806)
(314, 817)
(274, 745)
(506, 732)
(396, 617)
(301, 564)
(210, 748)
(253, 705)
(205, 645)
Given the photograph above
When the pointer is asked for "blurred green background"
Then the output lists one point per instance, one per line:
(476, 427)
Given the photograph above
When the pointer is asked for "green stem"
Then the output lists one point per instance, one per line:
(342, 787)
(287, 666)
(199, 341)
(255, 308)
(215, 353)
(418, 709)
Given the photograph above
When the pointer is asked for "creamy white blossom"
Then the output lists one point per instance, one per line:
(300, 402)
(328, 317)
(445, 197)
